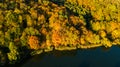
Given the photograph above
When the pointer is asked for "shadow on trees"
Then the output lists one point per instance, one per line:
(59, 2)
(88, 17)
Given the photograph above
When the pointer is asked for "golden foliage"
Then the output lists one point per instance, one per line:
(106, 42)
(20, 18)
(33, 13)
(55, 22)
(116, 41)
(54, 5)
(44, 8)
(19, 1)
(48, 43)
(23, 6)
(57, 26)
(82, 41)
(73, 1)
(44, 31)
(56, 38)
(29, 20)
(96, 26)
(41, 18)
(1, 18)
(33, 42)
(53, 18)
(76, 20)
(84, 30)
(102, 33)
(102, 25)
(92, 38)
(70, 37)
(79, 2)
(110, 26)
(116, 34)
(17, 11)
(69, 23)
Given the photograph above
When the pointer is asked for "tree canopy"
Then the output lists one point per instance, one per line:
(46, 24)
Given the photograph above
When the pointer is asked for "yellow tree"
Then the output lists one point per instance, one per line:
(33, 42)
(56, 38)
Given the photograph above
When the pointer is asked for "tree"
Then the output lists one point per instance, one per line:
(56, 38)
(13, 55)
(33, 42)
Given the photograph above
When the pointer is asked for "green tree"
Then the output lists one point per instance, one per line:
(13, 55)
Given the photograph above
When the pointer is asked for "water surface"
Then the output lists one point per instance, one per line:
(99, 57)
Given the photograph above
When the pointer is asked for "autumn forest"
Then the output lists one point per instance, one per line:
(35, 26)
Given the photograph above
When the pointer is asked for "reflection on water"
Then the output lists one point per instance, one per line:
(99, 57)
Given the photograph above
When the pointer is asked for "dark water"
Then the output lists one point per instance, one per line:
(99, 57)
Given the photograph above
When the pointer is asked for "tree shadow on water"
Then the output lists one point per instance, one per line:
(84, 64)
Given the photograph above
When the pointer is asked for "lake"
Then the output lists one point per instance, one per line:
(98, 57)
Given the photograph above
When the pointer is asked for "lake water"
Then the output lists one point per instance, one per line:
(99, 57)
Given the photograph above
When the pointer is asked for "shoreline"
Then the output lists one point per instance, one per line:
(39, 51)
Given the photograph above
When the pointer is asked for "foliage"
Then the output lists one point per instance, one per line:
(106, 42)
(56, 38)
(51, 23)
(95, 26)
(33, 42)
(92, 38)
(31, 31)
(13, 55)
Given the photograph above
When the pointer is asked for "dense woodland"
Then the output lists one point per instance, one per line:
(27, 26)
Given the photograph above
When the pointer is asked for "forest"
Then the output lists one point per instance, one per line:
(29, 27)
